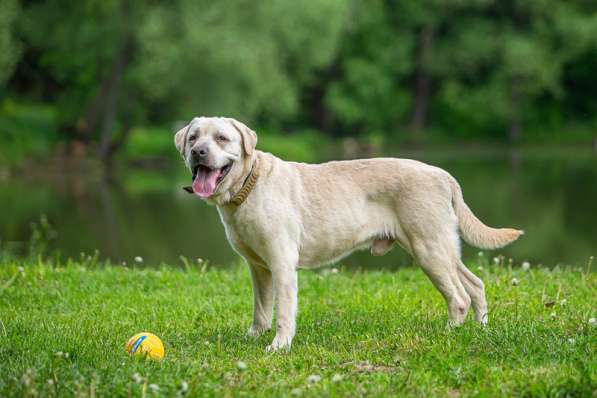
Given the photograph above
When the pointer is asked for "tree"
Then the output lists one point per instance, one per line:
(502, 59)
(368, 91)
(10, 50)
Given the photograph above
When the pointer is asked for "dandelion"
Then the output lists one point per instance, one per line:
(334, 270)
(552, 316)
(571, 340)
(480, 254)
(199, 260)
(592, 321)
(206, 343)
(514, 282)
(137, 378)
(526, 266)
(313, 379)
(138, 259)
(241, 365)
(496, 260)
(50, 382)
(337, 378)
(154, 388)
(184, 387)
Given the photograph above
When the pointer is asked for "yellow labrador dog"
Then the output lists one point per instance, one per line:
(281, 216)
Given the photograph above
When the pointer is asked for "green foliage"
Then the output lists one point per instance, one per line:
(154, 142)
(300, 146)
(26, 131)
(243, 61)
(63, 329)
(10, 49)
(466, 69)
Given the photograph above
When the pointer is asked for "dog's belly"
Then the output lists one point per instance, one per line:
(327, 255)
(328, 240)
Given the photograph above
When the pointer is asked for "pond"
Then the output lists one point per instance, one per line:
(141, 211)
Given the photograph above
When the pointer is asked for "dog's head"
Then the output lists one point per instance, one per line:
(217, 151)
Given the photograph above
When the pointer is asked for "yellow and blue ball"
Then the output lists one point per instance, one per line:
(146, 345)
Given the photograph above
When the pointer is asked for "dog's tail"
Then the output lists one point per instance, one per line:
(473, 231)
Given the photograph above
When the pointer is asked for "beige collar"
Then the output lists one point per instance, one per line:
(245, 190)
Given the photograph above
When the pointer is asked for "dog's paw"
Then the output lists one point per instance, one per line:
(280, 343)
(256, 331)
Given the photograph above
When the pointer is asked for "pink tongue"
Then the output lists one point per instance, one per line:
(204, 184)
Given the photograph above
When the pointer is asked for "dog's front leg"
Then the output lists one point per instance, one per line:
(286, 290)
(263, 300)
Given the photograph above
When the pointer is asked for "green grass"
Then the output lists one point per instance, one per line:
(374, 333)
(302, 146)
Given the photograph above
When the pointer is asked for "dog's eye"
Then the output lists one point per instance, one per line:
(222, 138)
(192, 138)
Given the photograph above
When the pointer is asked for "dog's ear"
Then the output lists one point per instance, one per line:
(180, 138)
(248, 136)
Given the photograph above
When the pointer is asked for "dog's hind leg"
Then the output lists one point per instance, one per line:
(436, 255)
(476, 289)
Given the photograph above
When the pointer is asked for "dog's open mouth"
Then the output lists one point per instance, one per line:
(206, 179)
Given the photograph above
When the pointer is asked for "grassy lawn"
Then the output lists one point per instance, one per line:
(374, 333)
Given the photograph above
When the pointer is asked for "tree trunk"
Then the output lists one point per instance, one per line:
(313, 98)
(87, 124)
(111, 105)
(515, 102)
(422, 80)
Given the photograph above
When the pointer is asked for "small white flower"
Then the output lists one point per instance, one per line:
(514, 282)
(137, 378)
(138, 259)
(124, 263)
(571, 340)
(337, 378)
(526, 266)
(199, 260)
(552, 316)
(334, 270)
(184, 386)
(496, 260)
(480, 268)
(154, 388)
(563, 302)
(296, 392)
(241, 365)
(50, 382)
(592, 321)
(21, 270)
(313, 379)
(206, 343)
(480, 254)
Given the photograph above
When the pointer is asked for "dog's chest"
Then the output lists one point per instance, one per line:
(246, 235)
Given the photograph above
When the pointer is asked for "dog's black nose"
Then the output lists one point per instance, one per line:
(200, 152)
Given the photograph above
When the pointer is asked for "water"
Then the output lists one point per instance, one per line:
(551, 194)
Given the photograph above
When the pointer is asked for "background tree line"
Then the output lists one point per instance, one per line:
(411, 69)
